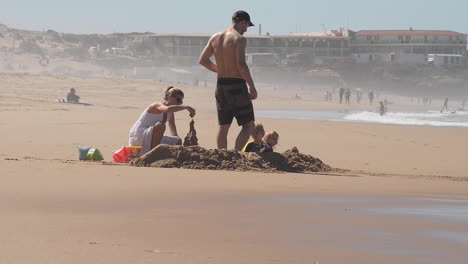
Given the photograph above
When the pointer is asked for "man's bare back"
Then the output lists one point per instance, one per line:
(225, 48)
(228, 48)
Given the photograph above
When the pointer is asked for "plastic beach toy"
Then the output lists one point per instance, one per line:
(125, 154)
(94, 154)
(89, 153)
(83, 151)
(122, 155)
(134, 151)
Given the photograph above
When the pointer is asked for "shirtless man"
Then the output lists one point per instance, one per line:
(233, 98)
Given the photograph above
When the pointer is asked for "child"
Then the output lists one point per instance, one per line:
(256, 144)
(270, 140)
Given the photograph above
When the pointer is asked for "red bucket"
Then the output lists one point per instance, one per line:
(122, 155)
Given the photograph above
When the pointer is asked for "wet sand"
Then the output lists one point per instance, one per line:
(57, 209)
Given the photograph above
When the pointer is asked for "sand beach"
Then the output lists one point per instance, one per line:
(57, 209)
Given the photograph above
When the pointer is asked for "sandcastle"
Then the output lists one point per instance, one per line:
(191, 138)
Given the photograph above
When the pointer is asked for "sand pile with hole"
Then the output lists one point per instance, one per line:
(195, 157)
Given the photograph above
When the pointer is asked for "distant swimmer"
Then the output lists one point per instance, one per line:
(382, 108)
(235, 88)
(445, 106)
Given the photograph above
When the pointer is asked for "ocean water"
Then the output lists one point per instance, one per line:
(427, 118)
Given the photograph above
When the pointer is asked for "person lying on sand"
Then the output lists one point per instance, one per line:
(72, 97)
(270, 140)
(148, 130)
(256, 145)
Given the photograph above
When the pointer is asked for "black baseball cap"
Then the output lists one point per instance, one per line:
(242, 15)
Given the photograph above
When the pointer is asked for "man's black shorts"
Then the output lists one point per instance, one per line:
(233, 100)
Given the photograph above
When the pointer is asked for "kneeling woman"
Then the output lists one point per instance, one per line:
(148, 130)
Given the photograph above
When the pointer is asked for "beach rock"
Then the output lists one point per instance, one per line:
(195, 157)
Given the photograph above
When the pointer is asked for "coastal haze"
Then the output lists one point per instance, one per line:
(397, 194)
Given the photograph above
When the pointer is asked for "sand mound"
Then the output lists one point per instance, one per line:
(195, 157)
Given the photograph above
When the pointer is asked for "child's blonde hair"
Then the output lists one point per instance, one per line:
(270, 135)
(258, 128)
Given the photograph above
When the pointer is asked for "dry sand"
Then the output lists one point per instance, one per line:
(58, 210)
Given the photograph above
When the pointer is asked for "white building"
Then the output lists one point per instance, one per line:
(405, 46)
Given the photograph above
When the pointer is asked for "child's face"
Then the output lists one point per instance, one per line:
(273, 140)
(257, 136)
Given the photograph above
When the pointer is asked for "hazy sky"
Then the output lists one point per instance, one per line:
(209, 16)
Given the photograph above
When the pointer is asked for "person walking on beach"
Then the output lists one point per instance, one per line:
(348, 96)
(233, 97)
(358, 95)
(341, 94)
(371, 97)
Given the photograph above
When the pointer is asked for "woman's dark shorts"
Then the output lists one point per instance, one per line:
(233, 100)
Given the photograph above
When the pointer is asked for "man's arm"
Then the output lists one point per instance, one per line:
(206, 55)
(243, 68)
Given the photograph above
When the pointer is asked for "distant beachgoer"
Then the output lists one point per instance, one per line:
(256, 145)
(270, 140)
(348, 96)
(342, 91)
(371, 97)
(382, 108)
(445, 106)
(235, 87)
(148, 130)
(72, 97)
(358, 95)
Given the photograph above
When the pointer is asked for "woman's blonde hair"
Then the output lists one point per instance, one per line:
(270, 135)
(174, 91)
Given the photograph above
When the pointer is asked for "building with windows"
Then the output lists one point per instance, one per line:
(406, 46)
(399, 46)
(186, 49)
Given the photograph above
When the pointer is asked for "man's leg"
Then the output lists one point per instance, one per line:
(244, 135)
(158, 133)
(221, 138)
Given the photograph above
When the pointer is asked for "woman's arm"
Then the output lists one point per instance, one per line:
(158, 108)
(176, 108)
